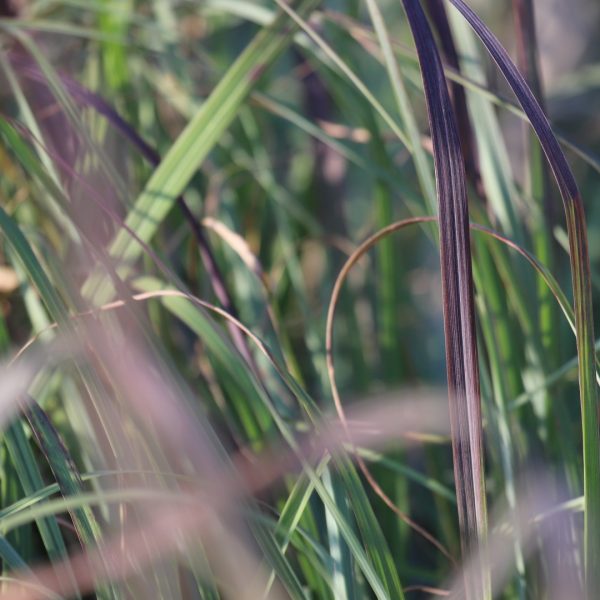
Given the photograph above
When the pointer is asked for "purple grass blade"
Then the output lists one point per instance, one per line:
(580, 269)
(439, 18)
(459, 313)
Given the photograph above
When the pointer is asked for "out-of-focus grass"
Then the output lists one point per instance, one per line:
(181, 185)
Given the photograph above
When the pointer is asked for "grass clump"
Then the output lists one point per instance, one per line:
(185, 193)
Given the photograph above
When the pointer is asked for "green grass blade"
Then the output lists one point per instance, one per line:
(422, 162)
(64, 469)
(32, 482)
(169, 180)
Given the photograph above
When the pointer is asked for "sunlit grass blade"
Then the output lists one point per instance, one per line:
(194, 144)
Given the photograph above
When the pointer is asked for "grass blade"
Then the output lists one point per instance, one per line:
(31, 480)
(439, 18)
(169, 180)
(64, 469)
(580, 267)
(457, 289)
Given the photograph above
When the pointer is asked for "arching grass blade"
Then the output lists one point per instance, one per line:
(580, 267)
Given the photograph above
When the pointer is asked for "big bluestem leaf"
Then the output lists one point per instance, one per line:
(580, 268)
(457, 281)
(439, 18)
